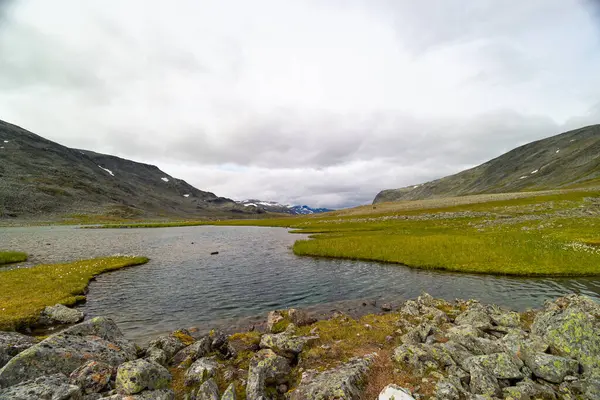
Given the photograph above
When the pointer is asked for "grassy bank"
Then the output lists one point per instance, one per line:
(8, 257)
(25, 292)
(532, 234)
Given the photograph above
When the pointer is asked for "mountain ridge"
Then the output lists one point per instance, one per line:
(40, 178)
(560, 161)
(275, 207)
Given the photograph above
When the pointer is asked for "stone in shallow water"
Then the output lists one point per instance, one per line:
(55, 387)
(138, 375)
(59, 314)
(12, 343)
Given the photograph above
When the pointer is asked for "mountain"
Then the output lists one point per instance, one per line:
(41, 178)
(274, 207)
(571, 158)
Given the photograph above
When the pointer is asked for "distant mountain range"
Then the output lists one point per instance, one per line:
(570, 159)
(40, 179)
(274, 207)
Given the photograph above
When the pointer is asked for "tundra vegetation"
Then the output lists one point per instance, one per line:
(552, 233)
(9, 257)
(25, 292)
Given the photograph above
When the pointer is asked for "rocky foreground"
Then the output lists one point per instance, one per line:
(427, 349)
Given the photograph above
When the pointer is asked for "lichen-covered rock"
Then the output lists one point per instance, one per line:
(201, 370)
(208, 391)
(500, 365)
(500, 317)
(157, 355)
(418, 334)
(586, 388)
(92, 377)
(458, 352)
(476, 318)
(59, 314)
(418, 357)
(162, 394)
(527, 389)
(96, 339)
(266, 367)
(299, 317)
(483, 382)
(189, 354)
(517, 341)
(549, 367)
(274, 318)
(445, 390)
(284, 343)
(55, 387)
(394, 392)
(12, 343)
(138, 375)
(344, 382)
(170, 344)
(571, 326)
(229, 393)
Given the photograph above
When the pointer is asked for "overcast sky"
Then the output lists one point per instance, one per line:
(319, 102)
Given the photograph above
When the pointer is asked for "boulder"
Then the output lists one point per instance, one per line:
(189, 354)
(483, 382)
(12, 343)
(92, 377)
(300, 317)
(571, 326)
(170, 344)
(138, 375)
(394, 392)
(274, 318)
(445, 390)
(55, 387)
(476, 318)
(59, 314)
(229, 393)
(97, 339)
(343, 382)
(201, 370)
(527, 389)
(266, 367)
(504, 318)
(284, 343)
(207, 391)
(500, 365)
(418, 357)
(157, 355)
(417, 334)
(550, 368)
(162, 394)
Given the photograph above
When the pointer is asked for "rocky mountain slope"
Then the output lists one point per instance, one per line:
(571, 158)
(274, 207)
(40, 179)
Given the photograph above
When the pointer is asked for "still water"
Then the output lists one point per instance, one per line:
(254, 272)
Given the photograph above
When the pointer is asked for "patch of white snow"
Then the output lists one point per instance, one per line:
(165, 179)
(572, 140)
(249, 204)
(6, 141)
(557, 151)
(107, 170)
(535, 172)
(523, 177)
(186, 195)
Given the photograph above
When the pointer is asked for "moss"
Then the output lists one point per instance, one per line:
(25, 292)
(9, 257)
(184, 337)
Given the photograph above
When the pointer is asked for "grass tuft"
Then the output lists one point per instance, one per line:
(25, 292)
(8, 257)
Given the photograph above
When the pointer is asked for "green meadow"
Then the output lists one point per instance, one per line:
(9, 257)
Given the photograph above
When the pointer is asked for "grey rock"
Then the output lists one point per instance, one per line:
(92, 377)
(417, 334)
(588, 388)
(571, 326)
(12, 343)
(284, 343)
(458, 352)
(208, 391)
(500, 365)
(394, 392)
(96, 339)
(418, 357)
(169, 344)
(54, 387)
(273, 318)
(162, 394)
(483, 382)
(266, 367)
(201, 370)
(189, 354)
(550, 368)
(410, 307)
(139, 375)
(343, 382)
(509, 319)
(445, 390)
(300, 317)
(475, 318)
(59, 314)
(157, 355)
(229, 393)
(527, 390)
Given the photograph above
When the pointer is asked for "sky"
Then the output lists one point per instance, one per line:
(319, 102)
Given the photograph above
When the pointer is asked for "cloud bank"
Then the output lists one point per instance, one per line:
(323, 103)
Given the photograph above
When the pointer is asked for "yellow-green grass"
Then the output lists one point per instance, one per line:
(532, 234)
(25, 292)
(8, 257)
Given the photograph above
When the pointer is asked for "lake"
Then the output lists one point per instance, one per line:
(255, 271)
